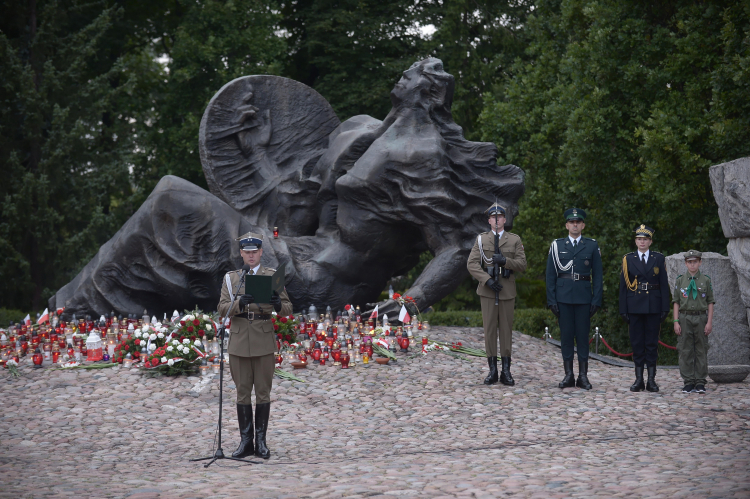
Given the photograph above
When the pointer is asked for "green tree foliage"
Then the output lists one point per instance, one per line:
(352, 51)
(621, 109)
(202, 46)
(478, 41)
(68, 120)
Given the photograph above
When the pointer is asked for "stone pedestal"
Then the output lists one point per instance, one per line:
(729, 343)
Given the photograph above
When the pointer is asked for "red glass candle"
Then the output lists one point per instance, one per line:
(37, 358)
(404, 343)
(71, 353)
(275, 232)
(316, 354)
(55, 357)
(368, 349)
(279, 359)
(302, 357)
(336, 355)
(329, 341)
(24, 347)
(345, 360)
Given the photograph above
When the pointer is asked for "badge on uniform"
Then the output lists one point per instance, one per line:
(684, 293)
(656, 270)
(703, 295)
(586, 263)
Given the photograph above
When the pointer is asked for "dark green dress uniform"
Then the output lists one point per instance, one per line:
(575, 288)
(252, 344)
(693, 294)
(644, 302)
(497, 318)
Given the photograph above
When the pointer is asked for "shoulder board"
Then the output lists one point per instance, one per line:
(234, 271)
(269, 268)
(483, 233)
(561, 239)
(679, 276)
(512, 234)
(707, 276)
(656, 253)
(588, 238)
(631, 253)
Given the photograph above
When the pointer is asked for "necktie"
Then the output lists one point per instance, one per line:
(643, 259)
(575, 244)
(692, 288)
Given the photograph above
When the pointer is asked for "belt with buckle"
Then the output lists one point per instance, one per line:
(644, 286)
(252, 316)
(575, 277)
(693, 312)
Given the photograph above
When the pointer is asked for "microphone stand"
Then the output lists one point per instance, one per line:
(219, 454)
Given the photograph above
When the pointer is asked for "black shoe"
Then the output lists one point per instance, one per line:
(700, 389)
(638, 385)
(651, 385)
(261, 426)
(688, 388)
(245, 418)
(583, 375)
(491, 378)
(569, 380)
(506, 377)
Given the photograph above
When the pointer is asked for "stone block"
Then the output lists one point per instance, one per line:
(729, 343)
(731, 185)
(739, 253)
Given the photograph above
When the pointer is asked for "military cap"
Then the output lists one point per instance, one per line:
(250, 241)
(575, 214)
(691, 254)
(495, 208)
(644, 231)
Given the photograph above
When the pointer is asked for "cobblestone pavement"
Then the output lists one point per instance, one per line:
(423, 427)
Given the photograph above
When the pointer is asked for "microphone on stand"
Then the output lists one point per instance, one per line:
(245, 269)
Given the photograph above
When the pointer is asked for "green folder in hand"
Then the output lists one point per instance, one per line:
(263, 286)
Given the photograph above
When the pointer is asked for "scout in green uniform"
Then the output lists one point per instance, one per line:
(252, 344)
(693, 299)
(497, 293)
(574, 293)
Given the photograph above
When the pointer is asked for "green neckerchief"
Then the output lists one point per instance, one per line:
(692, 287)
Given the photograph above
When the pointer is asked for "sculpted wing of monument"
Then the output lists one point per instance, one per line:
(356, 202)
(260, 137)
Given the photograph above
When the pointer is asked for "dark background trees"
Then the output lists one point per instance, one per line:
(619, 107)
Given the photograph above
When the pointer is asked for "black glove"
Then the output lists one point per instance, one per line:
(494, 285)
(246, 300)
(555, 310)
(499, 258)
(625, 317)
(664, 315)
(594, 309)
(275, 301)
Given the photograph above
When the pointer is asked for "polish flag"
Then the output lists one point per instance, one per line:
(27, 320)
(60, 311)
(404, 316)
(44, 318)
(374, 314)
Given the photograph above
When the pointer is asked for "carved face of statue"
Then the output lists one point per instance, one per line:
(424, 79)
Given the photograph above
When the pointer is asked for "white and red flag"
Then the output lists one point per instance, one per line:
(404, 316)
(27, 320)
(374, 314)
(44, 318)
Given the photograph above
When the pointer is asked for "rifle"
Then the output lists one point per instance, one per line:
(496, 265)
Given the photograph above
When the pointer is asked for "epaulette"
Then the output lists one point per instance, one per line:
(680, 276)
(707, 275)
(657, 253)
(589, 238)
(269, 268)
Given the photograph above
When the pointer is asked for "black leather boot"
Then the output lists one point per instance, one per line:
(569, 380)
(261, 426)
(651, 385)
(506, 377)
(638, 385)
(583, 375)
(245, 418)
(491, 378)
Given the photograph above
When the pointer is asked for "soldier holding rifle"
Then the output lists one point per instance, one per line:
(494, 259)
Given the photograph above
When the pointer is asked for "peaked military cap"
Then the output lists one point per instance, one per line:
(693, 254)
(250, 241)
(495, 208)
(575, 214)
(644, 231)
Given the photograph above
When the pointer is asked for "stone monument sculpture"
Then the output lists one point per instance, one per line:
(356, 202)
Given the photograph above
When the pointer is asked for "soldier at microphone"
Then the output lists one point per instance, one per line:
(493, 265)
(252, 343)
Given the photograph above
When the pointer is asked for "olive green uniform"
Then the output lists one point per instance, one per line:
(252, 342)
(497, 317)
(692, 344)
